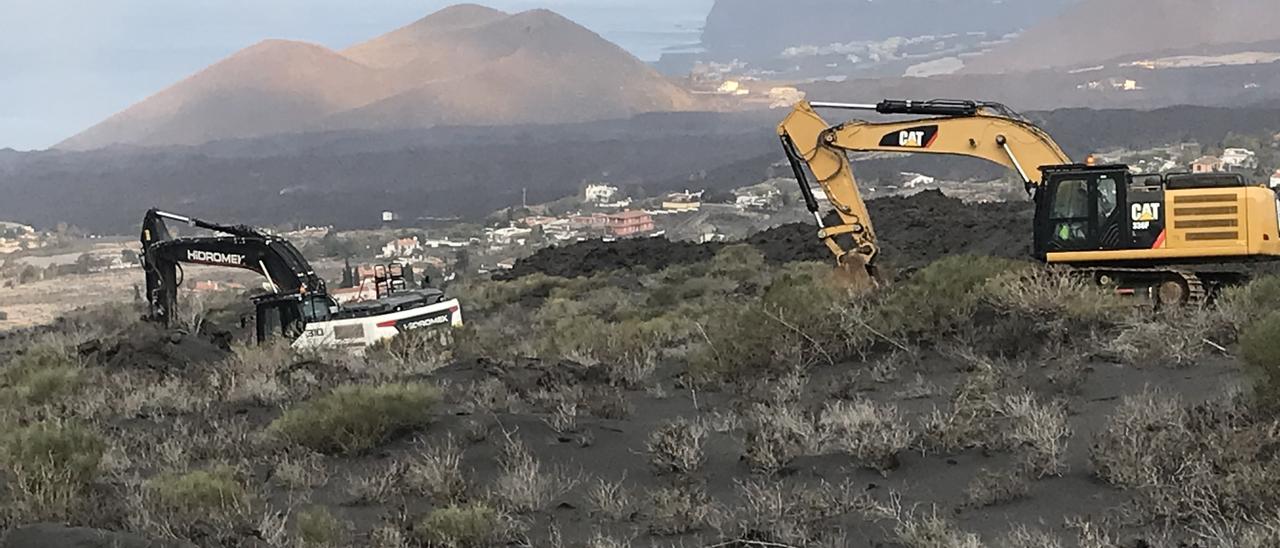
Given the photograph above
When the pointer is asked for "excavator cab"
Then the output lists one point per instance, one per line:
(278, 316)
(1082, 208)
(288, 315)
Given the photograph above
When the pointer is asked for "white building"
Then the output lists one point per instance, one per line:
(401, 247)
(912, 180)
(1239, 158)
(601, 193)
(509, 235)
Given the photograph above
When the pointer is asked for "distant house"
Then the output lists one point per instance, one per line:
(912, 180)
(402, 247)
(537, 220)
(600, 193)
(629, 223)
(683, 201)
(1207, 164)
(509, 235)
(1239, 158)
(598, 220)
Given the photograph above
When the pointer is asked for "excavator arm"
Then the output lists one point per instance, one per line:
(818, 154)
(287, 272)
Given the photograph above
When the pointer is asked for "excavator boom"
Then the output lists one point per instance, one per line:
(818, 154)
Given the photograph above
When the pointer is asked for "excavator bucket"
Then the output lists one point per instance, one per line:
(853, 272)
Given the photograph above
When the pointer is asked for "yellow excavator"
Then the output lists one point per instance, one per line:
(1176, 238)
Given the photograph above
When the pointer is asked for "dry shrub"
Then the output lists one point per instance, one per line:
(1056, 296)
(776, 435)
(1208, 464)
(872, 433)
(791, 515)
(610, 500)
(187, 505)
(680, 510)
(932, 531)
(1091, 535)
(522, 486)
(355, 419)
(51, 465)
(255, 373)
(318, 528)
(388, 536)
(967, 422)
(677, 447)
(1029, 537)
(475, 525)
(377, 486)
(995, 488)
(435, 471)
(411, 353)
(1138, 439)
(489, 396)
(607, 402)
(564, 418)
(300, 470)
(601, 540)
(1175, 338)
(1039, 433)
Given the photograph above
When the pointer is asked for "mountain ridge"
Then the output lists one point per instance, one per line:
(465, 65)
(1119, 28)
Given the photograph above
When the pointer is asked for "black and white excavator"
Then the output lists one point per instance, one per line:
(297, 304)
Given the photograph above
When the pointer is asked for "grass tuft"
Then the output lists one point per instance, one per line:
(355, 419)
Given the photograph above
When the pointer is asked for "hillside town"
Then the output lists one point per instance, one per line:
(440, 252)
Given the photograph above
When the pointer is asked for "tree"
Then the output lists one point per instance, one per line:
(462, 263)
(29, 274)
(85, 263)
(348, 277)
(333, 246)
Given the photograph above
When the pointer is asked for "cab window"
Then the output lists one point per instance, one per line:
(1071, 200)
(1070, 212)
(1106, 197)
(315, 309)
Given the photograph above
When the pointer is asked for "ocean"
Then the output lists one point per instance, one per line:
(645, 28)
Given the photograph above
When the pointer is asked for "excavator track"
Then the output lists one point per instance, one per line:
(1162, 286)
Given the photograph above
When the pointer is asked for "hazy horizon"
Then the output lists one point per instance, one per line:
(69, 64)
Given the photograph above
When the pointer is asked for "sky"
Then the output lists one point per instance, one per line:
(68, 64)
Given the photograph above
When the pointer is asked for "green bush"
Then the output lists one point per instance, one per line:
(1261, 352)
(213, 495)
(44, 374)
(317, 527)
(354, 419)
(1243, 305)
(472, 526)
(51, 464)
(799, 319)
(939, 298)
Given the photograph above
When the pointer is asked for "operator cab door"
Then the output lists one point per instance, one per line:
(1082, 211)
(279, 318)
